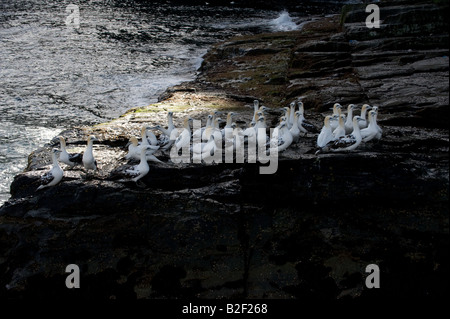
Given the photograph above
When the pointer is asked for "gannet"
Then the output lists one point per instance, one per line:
(291, 117)
(326, 134)
(340, 129)
(213, 129)
(151, 136)
(363, 121)
(70, 159)
(281, 137)
(164, 139)
(55, 175)
(349, 119)
(184, 138)
(89, 161)
(371, 131)
(303, 124)
(348, 142)
(134, 151)
(337, 110)
(205, 147)
(250, 131)
(144, 140)
(295, 131)
(199, 132)
(140, 170)
(375, 117)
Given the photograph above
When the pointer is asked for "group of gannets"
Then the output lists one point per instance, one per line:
(340, 132)
(55, 175)
(346, 132)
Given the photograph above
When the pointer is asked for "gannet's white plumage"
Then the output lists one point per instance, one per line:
(340, 129)
(184, 139)
(295, 131)
(134, 151)
(349, 119)
(303, 124)
(371, 131)
(89, 161)
(281, 137)
(363, 121)
(55, 175)
(326, 134)
(199, 132)
(290, 120)
(140, 170)
(348, 142)
(375, 117)
(337, 110)
(70, 159)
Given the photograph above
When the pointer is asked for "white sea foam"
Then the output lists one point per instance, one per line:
(284, 22)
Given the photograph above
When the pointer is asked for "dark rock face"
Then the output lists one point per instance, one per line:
(224, 230)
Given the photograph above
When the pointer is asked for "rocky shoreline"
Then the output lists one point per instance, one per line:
(223, 230)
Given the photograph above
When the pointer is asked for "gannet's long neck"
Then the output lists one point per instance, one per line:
(170, 125)
(327, 122)
(295, 124)
(349, 115)
(55, 160)
(229, 120)
(209, 121)
(143, 156)
(255, 110)
(292, 113)
(356, 130)
(216, 123)
(363, 112)
(89, 147)
(144, 136)
(165, 132)
(62, 144)
(187, 126)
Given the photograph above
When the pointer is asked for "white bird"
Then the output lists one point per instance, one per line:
(164, 140)
(134, 151)
(363, 121)
(290, 119)
(337, 110)
(151, 137)
(295, 131)
(250, 131)
(349, 119)
(213, 129)
(140, 170)
(303, 124)
(70, 159)
(348, 142)
(340, 129)
(375, 116)
(199, 132)
(55, 175)
(326, 134)
(89, 161)
(281, 137)
(184, 138)
(371, 131)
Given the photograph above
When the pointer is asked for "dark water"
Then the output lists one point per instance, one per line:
(122, 55)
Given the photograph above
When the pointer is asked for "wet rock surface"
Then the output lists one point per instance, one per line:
(226, 231)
